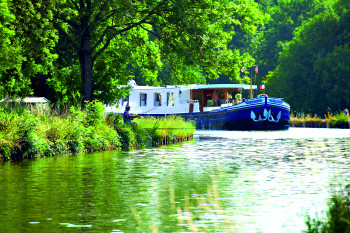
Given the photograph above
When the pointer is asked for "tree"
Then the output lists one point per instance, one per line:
(26, 43)
(190, 35)
(312, 70)
(285, 17)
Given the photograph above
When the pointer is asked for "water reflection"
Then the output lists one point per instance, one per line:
(237, 181)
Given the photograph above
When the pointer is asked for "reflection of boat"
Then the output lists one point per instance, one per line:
(197, 103)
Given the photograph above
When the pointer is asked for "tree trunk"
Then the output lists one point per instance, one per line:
(86, 64)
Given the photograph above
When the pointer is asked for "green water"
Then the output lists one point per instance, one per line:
(220, 181)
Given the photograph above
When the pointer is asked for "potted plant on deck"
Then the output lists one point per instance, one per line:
(238, 98)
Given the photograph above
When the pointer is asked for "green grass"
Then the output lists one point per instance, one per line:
(30, 132)
(166, 128)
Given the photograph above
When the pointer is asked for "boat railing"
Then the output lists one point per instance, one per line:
(188, 101)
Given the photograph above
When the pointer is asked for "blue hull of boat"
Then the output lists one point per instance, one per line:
(240, 117)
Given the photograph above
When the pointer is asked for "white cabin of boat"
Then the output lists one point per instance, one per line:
(178, 99)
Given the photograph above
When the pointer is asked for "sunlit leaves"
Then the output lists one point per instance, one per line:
(26, 43)
(313, 66)
(137, 37)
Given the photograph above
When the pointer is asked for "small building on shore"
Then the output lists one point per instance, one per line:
(31, 102)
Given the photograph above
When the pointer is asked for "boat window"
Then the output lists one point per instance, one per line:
(170, 99)
(157, 99)
(143, 99)
(220, 94)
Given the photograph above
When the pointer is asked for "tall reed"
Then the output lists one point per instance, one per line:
(170, 127)
(338, 215)
(330, 120)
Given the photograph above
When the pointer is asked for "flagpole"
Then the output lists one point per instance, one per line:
(251, 81)
(251, 84)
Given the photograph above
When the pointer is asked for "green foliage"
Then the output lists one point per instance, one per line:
(94, 113)
(114, 119)
(341, 120)
(285, 17)
(171, 127)
(38, 144)
(312, 69)
(9, 135)
(101, 137)
(31, 133)
(330, 120)
(27, 39)
(27, 133)
(127, 135)
(338, 216)
(188, 37)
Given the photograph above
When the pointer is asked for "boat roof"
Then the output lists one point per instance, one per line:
(198, 86)
(217, 86)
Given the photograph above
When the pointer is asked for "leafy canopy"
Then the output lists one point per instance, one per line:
(112, 40)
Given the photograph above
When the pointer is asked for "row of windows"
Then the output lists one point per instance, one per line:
(158, 99)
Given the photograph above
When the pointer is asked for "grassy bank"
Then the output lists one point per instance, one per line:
(339, 120)
(26, 133)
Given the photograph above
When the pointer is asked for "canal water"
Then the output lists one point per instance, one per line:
(221, 181)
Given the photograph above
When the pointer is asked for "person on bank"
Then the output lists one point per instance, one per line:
(127, 117)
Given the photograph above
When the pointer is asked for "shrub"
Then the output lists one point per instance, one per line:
(101, 137)
(38, 144)
(94, 113)
(114, 119)
(340, 120)
(166, 127)
(338, 216)
(75, 134)
(140, 136)
(9, 132)
(127, 135)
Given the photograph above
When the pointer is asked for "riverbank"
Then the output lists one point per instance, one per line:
(340, 120)
(27, 133)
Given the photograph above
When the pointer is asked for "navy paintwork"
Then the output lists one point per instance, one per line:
(262, 113)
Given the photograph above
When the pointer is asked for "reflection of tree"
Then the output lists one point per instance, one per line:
(108, 190)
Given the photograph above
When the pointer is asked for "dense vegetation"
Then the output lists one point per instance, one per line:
(330, 120)
(337, 217)
(312, 72)
(72, 51)
(42, 132)
(85, 49)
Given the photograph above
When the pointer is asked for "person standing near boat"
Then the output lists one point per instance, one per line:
(218, 102)
(132, 82)
(127, 117)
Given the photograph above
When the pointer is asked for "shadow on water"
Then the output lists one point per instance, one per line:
(237, 181)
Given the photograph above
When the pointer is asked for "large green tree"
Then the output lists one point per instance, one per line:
(26, 42)
(285, 17)
(313, 69)
(113, 39)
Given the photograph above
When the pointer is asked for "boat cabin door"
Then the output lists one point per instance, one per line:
(208, 95)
